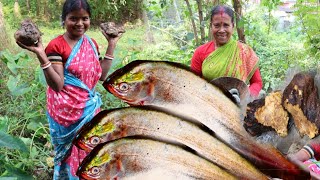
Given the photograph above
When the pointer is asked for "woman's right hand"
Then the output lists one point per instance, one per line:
(37, 48)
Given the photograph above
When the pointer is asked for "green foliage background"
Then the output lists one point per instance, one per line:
(22, 107)
(48, 12)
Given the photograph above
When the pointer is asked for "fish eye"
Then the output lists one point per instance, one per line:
(123, 86)
(94, 170)
(94, 140)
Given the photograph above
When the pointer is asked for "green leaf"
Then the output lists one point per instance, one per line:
(40, 77)
(241, 23)
(34, 153)
(21, 56)
(190, 36)
(13, 87)
(11, 142)
(8, 178)
(6, 56)
(33, 125)
(4, 123)
(26, 141)
(37, 128)
(13, 67)
(20, 174)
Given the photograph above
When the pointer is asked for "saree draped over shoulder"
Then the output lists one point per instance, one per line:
(76, 104)
(233, 59)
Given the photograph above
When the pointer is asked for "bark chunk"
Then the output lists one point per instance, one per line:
(251, 125)
(300, 98)
(28, 34)
(267, 114)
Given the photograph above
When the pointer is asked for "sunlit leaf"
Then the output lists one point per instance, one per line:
(6, 56)
(21, 56)
(34, 152)
(8, 178)
(4, 123)
(26, 141)
(13, 67)
(16, 89)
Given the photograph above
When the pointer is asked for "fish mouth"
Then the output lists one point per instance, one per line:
(113, 91)
(82, 145)
(116, 93)
(87, 177)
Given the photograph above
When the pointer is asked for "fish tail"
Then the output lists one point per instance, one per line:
(270, 161)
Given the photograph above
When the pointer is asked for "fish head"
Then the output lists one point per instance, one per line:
(94, 165)
(99, 130)
(134, 83)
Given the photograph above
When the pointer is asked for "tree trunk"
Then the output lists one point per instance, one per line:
(177, 11)
(193, 23)
(216, 2)
(4, 38)
(16, 10)
(1, 18)
(199, 2)
(139, 10)
(238, 9)
(28, 6)
(149, 34)
(46, 10)
(38, 8)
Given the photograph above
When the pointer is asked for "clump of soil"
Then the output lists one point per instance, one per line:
(112, 29)
(28, 34)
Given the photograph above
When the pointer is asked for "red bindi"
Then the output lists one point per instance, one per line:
(221, 11)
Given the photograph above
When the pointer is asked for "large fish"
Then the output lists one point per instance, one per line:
(129, 157)
(175, 89)
(148, 122)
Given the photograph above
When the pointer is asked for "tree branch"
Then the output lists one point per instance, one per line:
(193, 23)
(238, 9)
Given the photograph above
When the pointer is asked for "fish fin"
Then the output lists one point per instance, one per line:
(120, 170)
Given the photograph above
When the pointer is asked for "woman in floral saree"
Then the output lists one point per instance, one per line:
(226, 57)
(72, 68)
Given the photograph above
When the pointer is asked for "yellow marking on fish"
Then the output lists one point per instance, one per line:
(101, 130)
(99, 160)
(131, 77)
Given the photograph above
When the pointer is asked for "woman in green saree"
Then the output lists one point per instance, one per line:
(226, 57)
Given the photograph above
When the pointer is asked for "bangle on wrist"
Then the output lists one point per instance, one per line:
(108, 57)
(45, 65)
